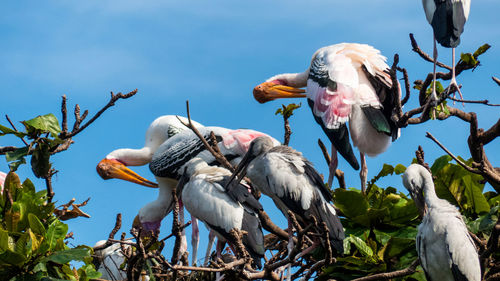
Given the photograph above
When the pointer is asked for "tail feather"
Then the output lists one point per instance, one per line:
(325, 212)
(254, 239)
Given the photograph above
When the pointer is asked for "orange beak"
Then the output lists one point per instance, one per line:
(269, 91)
(112, 168)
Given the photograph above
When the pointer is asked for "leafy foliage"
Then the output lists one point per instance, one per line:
(381, 226)
(43, 131)
(287, 111)
(32, 239)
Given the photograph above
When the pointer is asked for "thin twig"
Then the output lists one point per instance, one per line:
(485, 102)
(64, 112)
(14, 127)
(465, 166)
(496, 80)
(111, 102)
(407, 85)
(339, 174)
(218, 156)
(424, 55)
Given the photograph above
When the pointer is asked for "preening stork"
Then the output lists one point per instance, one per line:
(205, 197)
(447, 18)
(345, 82)
(445, 249)
(167, 164)
(172, 156)
(283, 174)
(114, 165)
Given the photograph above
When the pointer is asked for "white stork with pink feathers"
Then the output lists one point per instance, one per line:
(346, 83)
(169, 146)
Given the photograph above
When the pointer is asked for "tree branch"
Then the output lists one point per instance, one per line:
(389, 275)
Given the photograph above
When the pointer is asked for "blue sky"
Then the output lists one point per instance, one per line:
(212, 53)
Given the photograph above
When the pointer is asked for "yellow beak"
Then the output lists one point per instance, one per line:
(112, 168)
(269, 91)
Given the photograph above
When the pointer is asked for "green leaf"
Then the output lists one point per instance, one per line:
(399, 169)
(351, 203)
(361, 246)
(4, 240)
(287, 111)
(14, 215)
(15, 164)
(35, 241)
(40, 164)
(45, 123)
(11, 257)
(16, 154)
(56, 231)
(36, 225)
(474, 196)
(5, 130)
(65, 256)
(12, 183)
(469, 59)
(481, 50)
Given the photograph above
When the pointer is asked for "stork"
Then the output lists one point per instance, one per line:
(114, 165)
(445, 249)
(345, 82)
(447, 18)
(168, 162)
(205, 197)
(108, 262)
(283, 174)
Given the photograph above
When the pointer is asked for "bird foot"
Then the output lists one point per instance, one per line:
(454, 85)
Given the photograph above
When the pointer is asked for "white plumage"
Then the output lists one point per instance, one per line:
(205, 198)
(445, 249)
(346, 82)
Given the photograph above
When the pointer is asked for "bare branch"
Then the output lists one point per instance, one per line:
(465, 166)
(424, 55)
(489, 135)
(111, 236)
(339, 174)
(485, 102)
(111, 102)
(64, 112)
(390, 275)
(407, 85)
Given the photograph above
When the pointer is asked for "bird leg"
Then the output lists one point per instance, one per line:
(289, 248)
(433, 94)
(453, 80)
(363, 173)
(218, 250)
(333, 166)
(211, 238)
(195, 239)
(183, 247)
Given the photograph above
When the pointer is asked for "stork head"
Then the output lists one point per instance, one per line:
(257, 147)
(414, 179)
(276, 89)
(113, 168)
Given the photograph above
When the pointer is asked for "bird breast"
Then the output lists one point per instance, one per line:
(204, 201)
(364, 136)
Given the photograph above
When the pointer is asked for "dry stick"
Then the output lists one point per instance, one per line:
(172, 234)
(118, 225)
(429, 135)
(424, 55)
(226, 267)
(64, 112)
(389, 275)
(176, 230)
(486, 137)
(268, 225)
(496, 80)
(218, 156)
(14, 127)
(407, 85)
(485, 102)
(395, 88)
(111, 102)
(420, 158)
(338, 173)
(313, 269)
